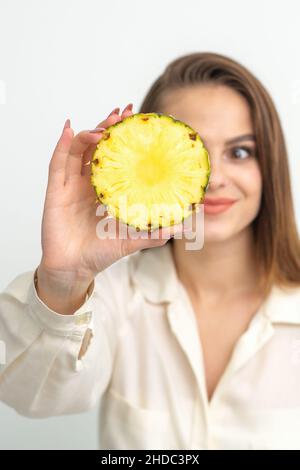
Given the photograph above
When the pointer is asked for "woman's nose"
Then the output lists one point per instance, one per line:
(218, 177)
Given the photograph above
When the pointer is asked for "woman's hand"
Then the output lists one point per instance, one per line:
(72, 254)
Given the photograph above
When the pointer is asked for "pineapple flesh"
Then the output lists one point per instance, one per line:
(150, 170)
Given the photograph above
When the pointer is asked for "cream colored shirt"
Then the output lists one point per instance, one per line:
(144, 363)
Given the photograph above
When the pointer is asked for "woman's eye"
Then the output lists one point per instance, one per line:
(241, 153)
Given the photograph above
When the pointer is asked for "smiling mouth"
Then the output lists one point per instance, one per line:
(214, 209)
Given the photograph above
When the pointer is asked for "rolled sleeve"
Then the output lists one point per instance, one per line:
(56, 323)
(57, 364)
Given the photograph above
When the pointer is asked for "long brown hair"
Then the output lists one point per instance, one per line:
(275, 232)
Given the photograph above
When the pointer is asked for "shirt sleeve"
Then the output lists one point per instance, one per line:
(53, 364)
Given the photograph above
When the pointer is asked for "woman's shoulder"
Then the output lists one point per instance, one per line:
(283, 304)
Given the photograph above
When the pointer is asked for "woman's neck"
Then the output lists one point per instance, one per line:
(220, 270)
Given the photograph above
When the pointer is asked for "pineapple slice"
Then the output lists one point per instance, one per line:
(150, 170)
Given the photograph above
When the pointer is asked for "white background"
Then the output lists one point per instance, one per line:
(79, 60)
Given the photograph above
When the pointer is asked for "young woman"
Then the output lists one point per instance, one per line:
(183, 349)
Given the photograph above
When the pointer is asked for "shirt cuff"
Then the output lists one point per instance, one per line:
(63, 325)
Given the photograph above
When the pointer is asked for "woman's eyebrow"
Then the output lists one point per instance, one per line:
(241, 138)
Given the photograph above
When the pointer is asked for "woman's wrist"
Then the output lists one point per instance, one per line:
(62, 292)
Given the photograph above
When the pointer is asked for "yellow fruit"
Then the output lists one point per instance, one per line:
(150, 170)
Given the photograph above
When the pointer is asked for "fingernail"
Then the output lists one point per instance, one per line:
(128, 107)
(115, 111)
(67, 124)
(97, 130)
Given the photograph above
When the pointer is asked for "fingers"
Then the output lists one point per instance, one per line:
(59, 158)
(72, 153)
(86, 160)
(90, 149)
(84, 145)
(164, 233)
(161, 236)
(127, 111)
(168, 232)
(112, 118)
(79, 144)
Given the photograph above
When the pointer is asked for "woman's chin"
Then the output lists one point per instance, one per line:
(214, 233)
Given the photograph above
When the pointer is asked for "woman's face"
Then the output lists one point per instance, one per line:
(222, 118)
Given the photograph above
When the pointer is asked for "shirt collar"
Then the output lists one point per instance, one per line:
(154, 272)
(283, 305)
